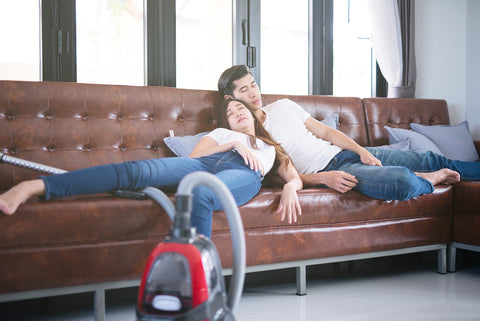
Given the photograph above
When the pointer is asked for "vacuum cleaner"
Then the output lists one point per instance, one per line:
(183, 279)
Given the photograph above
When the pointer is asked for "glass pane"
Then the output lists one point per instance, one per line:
(284, 47)
(110, 42)
(204, 42)
(352, 49)
(20, 40)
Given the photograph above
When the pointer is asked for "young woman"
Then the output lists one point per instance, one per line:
(240, 155)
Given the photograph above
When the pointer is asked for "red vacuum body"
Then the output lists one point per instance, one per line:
(183, 281)
(183, 278)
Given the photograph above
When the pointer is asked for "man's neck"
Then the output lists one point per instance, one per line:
(260, 114)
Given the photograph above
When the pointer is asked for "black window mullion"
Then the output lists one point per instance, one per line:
(380, 85)
(244, 10)
(321, 47)
(161, 42)
(59, 49)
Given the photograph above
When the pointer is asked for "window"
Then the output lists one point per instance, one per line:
(110, 42)
(284, 46)
(203, 42)
(318, 47)
(20, 39)
(352, 49)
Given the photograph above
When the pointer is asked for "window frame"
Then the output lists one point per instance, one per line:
(59, 41)
(59, 27)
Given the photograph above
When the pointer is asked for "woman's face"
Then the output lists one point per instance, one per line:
(239, 118)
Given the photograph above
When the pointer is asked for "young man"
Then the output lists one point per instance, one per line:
(324, 156)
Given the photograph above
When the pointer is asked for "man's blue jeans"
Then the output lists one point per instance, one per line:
(229, 167)
(396, 179)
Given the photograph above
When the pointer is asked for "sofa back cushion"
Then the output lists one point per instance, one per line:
(73, 125)
(399, 113)
(350, 112)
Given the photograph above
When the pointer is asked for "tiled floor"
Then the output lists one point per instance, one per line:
(378, 289)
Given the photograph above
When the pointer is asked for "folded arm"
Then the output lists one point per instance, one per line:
(208, 146)
(341, 140)
(336, 180)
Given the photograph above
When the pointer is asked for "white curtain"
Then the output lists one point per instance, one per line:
(387, 42)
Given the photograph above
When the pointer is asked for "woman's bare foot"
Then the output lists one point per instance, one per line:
(443, 176)
(14, 197)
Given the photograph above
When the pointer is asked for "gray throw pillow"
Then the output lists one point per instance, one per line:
(183, 146)
(455, 141)
(331, 121)
(403, 145)
(418, 142)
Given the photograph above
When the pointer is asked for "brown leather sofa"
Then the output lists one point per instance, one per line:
(98, 242)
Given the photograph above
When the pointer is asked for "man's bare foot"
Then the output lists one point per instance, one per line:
(17, 195)
(443, 176)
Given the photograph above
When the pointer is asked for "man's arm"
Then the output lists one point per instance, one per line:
(341, 140)
(339, 181)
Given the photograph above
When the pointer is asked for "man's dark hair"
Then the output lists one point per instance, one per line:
(225, 82)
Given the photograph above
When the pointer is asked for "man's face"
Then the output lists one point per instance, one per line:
(246, 89)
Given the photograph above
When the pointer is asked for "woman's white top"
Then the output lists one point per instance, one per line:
(265, 153)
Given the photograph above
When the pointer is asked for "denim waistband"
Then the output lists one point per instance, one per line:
(228, 160)
(340, 158)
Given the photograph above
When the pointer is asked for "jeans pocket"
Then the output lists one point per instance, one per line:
(229, 159)
(331, 165)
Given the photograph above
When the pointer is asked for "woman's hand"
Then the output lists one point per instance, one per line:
(249, 157)
(289, 206)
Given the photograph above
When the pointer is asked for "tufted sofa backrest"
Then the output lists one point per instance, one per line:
(72, 125)
(350, 112)
(399, 113)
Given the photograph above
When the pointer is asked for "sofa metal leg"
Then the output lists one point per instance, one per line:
(99, 305)
(301, 280)
(452, 257)
(442, 260)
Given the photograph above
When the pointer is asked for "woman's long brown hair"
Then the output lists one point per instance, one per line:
(281, 156)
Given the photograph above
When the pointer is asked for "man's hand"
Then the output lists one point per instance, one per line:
(368, 159)
(339, 181)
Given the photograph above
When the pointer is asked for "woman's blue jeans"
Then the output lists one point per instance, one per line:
(396, 179)
(229, 167)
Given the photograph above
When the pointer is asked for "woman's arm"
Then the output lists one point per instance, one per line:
(208, 146)
(289, 205)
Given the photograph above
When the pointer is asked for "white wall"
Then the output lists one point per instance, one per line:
(447, 52)
(473, 67)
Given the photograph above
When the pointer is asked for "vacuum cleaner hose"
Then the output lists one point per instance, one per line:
(151, 192)
(186, 186)
(162, 199)
(10, 160)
